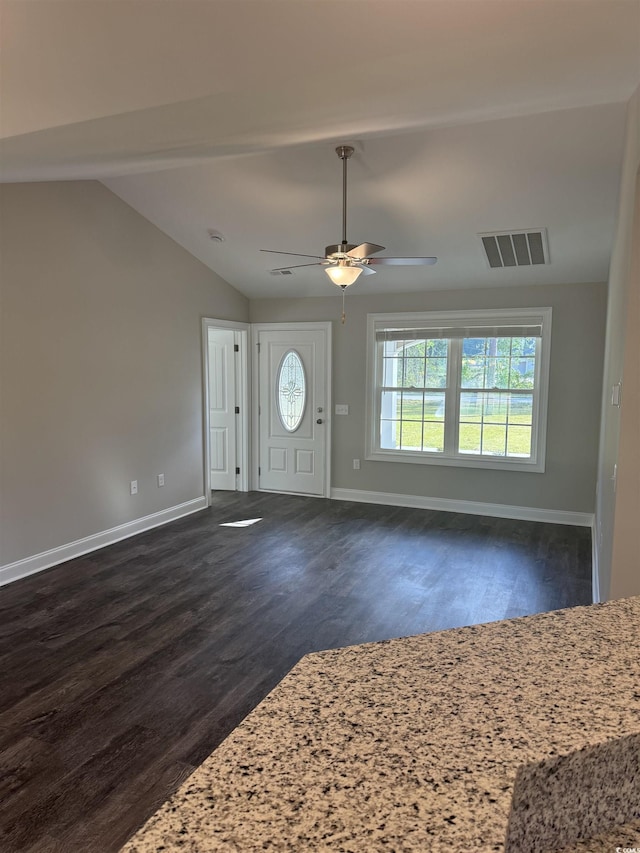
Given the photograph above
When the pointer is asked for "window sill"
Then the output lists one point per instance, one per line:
(419, 458)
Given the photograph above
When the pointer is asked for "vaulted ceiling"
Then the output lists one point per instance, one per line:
(467, 116)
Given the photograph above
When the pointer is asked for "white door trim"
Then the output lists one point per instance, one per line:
(243, 385)
(256, 328)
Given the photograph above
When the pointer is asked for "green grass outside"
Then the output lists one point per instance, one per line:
(518, 438)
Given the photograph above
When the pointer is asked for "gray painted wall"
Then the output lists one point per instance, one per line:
(574, 395)
(616, 514)
(100, 365)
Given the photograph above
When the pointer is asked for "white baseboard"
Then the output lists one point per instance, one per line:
(595, 573)
(46, 559)
(522, 513)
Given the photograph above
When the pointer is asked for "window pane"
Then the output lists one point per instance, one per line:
(473, 346)
(495, 407)
(519, 441)
(522, 372)
(433, 437)
(390, 407)
(389, 434)
(434, 407)
(497, 373)
(414, 373)
(392, 372)
(494, 439)
(389, 349)
(414, 349)
(436, 373)
(504, 347)
(411, 406)
(437, 348)
(291, 391)
(520, 408)
(411, 435)
(470, 407)
(517, 347)
(469, 438)
(473, 372)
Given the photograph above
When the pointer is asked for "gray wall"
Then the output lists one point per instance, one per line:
(617, 514)
(100, 371)
(625, 574)
(574, 395)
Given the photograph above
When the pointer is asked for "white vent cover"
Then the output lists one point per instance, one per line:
(516, 248)
(281, 272)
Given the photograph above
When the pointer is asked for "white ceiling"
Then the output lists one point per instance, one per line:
(467, 115)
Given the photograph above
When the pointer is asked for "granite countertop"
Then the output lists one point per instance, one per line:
(522, 735)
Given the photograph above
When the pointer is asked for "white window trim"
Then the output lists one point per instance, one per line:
(502, 316)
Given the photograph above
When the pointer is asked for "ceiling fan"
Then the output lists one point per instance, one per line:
(344, 262)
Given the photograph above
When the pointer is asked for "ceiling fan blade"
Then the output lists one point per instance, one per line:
(364, 250)
(297, 254)
(401, 262)
(367, 270)
(297, 266)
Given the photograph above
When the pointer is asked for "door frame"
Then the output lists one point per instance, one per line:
(325, 326)
(243, 386)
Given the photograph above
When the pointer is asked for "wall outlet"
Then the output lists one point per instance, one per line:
(356, 464)
(133, 486)
(160, 480)
(342, 409)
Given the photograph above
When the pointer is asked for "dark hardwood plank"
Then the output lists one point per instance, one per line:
(122, 670)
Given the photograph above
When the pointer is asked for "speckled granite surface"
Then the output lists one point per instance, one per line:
(625, 837)
(416, 744)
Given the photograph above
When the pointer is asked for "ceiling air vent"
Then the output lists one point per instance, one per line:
(516, 248)
(281, 272)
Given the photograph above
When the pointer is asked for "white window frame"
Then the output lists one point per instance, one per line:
(467, 319)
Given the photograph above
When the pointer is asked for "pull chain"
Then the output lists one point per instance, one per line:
(344, 316)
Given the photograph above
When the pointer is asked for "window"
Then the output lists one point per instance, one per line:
(463, 388)
(291, 391)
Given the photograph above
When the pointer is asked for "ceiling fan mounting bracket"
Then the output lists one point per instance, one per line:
(344, 152)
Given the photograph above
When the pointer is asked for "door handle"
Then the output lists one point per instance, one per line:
(319, 421)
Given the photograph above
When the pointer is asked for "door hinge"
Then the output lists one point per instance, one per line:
(259, 471)
(237, 470)
(237, 410)
(258, 345)
(236, 347)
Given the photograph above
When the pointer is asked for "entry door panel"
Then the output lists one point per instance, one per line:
(222, 417)
(293, 410)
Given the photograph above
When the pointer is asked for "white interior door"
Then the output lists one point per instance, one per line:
(293, 408)
(222, 409)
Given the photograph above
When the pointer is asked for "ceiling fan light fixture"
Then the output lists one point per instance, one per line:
(343, 273)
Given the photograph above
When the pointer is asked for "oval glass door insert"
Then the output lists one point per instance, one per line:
(291, 389)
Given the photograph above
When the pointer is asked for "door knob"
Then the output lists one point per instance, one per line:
(319, 421)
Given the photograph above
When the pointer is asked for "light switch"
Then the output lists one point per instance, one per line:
(342, 409)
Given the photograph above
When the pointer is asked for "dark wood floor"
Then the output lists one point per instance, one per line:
(122, 670)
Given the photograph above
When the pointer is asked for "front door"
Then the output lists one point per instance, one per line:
(294, 404)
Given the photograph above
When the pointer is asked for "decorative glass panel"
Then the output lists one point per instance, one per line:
(291, 389)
